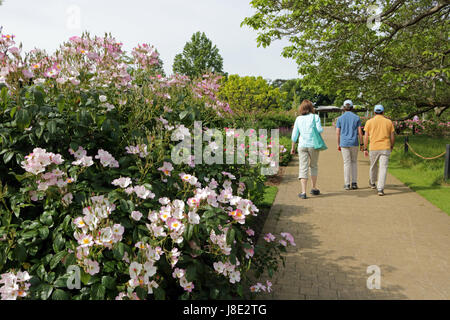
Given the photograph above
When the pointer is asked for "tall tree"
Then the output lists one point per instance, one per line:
(199, 57)
(296, 93)
(246, 94)
(402, 60)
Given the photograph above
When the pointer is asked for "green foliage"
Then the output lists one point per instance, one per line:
(404, 64)
(199, 57)
(285, 157)
(432, 127)
(260, 119)
(250, 94)
(296, 94)
(39, 233)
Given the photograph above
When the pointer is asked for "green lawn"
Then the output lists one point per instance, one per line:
(269, 196)
(257, 223)
(423, 176)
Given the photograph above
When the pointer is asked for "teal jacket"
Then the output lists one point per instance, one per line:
(303, 128)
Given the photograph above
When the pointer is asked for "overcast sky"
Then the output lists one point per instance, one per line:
(166, 24)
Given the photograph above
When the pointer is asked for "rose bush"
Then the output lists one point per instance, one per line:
(87, 179)
(432, 128)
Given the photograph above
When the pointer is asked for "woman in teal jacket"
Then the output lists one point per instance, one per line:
(308, 156)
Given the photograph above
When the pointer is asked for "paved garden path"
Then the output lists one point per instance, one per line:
(340, 233)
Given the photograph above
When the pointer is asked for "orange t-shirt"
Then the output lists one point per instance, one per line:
(379, 129)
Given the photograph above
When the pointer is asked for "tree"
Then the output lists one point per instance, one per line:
(404, 64)
(245, 94)
(295, 94)
(199, 56)
(277, 83)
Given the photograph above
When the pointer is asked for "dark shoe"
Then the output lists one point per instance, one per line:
(354, 186)
(380, 192)
(302, 195)
(315, 192)
(372, 185)
(347, 187)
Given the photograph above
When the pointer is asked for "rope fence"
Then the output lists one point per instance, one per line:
(446, 153)
(425, 158)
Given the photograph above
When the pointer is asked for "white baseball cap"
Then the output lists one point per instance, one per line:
(378, 108)
(348, 102)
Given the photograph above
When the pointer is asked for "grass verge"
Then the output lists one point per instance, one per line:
(258, 222)
(426, 177)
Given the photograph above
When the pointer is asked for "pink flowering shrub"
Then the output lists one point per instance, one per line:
(428, 127)
(87, 181)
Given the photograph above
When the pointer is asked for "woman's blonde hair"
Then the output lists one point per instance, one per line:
(306, 107)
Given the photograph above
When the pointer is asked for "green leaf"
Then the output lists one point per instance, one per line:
(109, 266)
(59, 294)
(29, 234)
(130, 205)
(45, 291)
(61, 106)
(188, 232)
(13, 112)
(38, 96)
(8, 156)
(109, 282)
(98, 291)
(233, 258)
(240, 291)
(50, 277)
(43, 232)
(23, 118)
(208, 214)
(183, 114)
(84, 277)
(214, 293)
(40, 271)
(51, 126)
(61, 282)
(118, 250)
(124, 205)
(141, 293)
(58, 243)
(159, 293)
(56, 259)
(46, 218)
(66, 222)
(46, 260)
(20, 253)
(230, 235)
(4, 96)
(70, 260)
(191, 272)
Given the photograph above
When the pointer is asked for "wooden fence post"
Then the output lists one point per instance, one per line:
(447, 163)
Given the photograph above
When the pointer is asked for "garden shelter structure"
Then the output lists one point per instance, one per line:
(329, 109)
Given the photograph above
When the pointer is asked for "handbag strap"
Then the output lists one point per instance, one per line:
(313, 123)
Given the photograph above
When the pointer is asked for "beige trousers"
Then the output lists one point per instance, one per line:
(379, 160)
(350, 157)
(308, 159)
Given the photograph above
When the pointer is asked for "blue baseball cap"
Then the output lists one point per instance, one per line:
(348, 102)
(378, 108)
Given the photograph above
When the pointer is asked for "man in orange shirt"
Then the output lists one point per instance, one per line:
(382, 139)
